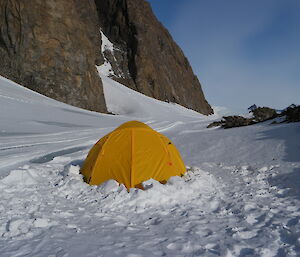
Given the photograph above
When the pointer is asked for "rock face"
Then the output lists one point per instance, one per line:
(52, 47)
(148, 60)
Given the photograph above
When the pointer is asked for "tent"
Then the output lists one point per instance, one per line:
(131, 154)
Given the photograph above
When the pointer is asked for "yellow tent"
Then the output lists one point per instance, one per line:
(131, 154)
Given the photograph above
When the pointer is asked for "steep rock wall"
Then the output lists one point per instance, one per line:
(52, 47)
(155, 65)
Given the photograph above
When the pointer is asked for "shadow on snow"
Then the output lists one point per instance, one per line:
(290, 133)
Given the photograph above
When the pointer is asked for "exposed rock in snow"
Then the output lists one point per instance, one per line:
(292, 113)
(264, 113)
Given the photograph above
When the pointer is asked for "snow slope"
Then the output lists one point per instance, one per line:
(239, 198)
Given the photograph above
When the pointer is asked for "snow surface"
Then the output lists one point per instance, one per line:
(239, 198)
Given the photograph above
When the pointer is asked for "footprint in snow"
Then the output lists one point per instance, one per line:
(17, 227)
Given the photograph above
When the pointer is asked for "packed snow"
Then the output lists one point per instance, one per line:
(240, 196)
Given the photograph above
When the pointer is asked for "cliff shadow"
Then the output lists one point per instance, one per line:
(289, 181)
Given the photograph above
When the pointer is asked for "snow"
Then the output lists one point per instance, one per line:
(124, 101)
(106, 44)
(240, 196)
(106, 68)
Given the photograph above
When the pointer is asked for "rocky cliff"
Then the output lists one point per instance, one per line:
(53, 46)
(151, 61)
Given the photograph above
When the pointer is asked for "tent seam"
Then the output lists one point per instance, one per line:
(132, 159)
(99, 159)
(166, 150)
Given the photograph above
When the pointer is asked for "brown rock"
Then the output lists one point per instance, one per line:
(292, 114)
(51, 47)
(236, 121)
(152, 63)
(215, 124)
(264, 113)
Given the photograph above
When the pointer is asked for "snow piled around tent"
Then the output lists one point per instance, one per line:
(239, 198)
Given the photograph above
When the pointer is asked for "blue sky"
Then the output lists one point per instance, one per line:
(243, 51)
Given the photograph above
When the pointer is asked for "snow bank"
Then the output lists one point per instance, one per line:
(125, 101)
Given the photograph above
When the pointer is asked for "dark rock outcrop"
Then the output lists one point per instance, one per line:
(292, 114)
(236, 121)
(264, 113)
(149, 59)
(52, 47)
(232, 122)
(215, 124)
(260, 114)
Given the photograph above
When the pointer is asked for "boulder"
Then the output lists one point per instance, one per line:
(292, 114)
(264, 113)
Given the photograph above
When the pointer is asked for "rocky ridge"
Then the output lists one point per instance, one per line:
(260, 114)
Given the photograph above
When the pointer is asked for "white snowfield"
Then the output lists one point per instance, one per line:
(239, 198)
